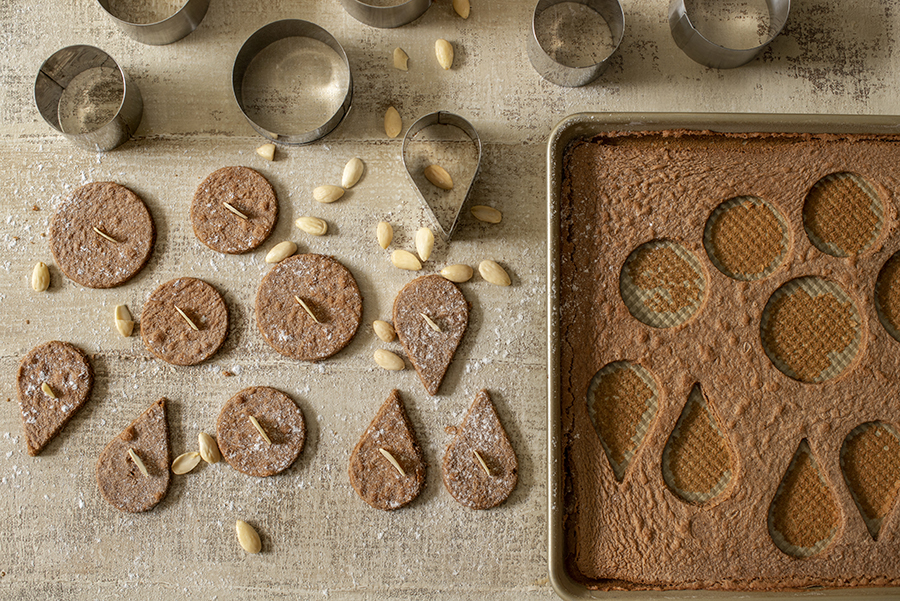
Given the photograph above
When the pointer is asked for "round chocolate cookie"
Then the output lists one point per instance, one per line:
(101, 235)
(244, 447)
(184, 321)
(330, 293)
(54, 381)
(234, 210)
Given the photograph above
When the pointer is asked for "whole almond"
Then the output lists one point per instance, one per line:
(401, 59)
(281, 251)
(247, 537)
(312, 225)
(444, 51)
(393, 124)
(40, 277)
(124, 321)
(487, 214)
(384, 233)
(266, 151)
(493, 273)
(388, 360)
(353, 170)
(384, 330)
(458, 273)
(209, 450)
(424, 243)
(326, 194)
(462, 8)
(438, 176)
(186, 462)
(404, 259)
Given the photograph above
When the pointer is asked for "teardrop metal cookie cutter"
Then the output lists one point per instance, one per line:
(707, 53)
(386, 17)
(442, 118)
(262, 39)
(564, 75)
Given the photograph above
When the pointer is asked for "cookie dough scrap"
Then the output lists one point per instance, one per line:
(480, 468)
(234, 210)
(102, 235)
(308, 307)
(430, 317)
(387, 469)
(133, 470)
(260, 431)
(184, 322)
(54, 381)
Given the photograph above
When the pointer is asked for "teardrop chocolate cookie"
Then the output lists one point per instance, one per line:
(386, 466)
(133, 469)
(54, 381)
(480, 468)
(431, 316)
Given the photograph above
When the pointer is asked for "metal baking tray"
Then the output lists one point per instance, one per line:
(586, 125)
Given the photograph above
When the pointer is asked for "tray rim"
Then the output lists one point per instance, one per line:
(581, 125)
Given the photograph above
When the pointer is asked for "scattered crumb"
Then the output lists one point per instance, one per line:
(35, 208)
(227, 374)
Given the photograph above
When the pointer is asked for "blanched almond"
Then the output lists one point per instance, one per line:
(185, 462)
(393, 124)
(247, 537)
(404, 259)
(40, 277)
(401, 59)
(312, 225)
(444, 51)
(384, 233)
(487, 214)
(326, 194)
(493, 273)
(462, 8)
(424, 243)
(267, 151)
(458, 273)
(353, 170)
(388, 360)
(281, 251)
(384, 330)
(438, 176)
(124, 321)
(209, 450)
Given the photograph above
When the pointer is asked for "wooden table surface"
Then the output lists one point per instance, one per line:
(62, 540)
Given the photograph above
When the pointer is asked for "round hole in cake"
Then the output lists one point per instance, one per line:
(746, 238)
(622, 400)
(887, 296)
(662, 283)
(843, 214)
(811, 329)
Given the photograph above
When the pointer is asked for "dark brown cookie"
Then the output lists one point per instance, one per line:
(66, 371)
(102, 235)
(121, 480)
(170, 335)
(327, 288)
(372, 473)
(446, 308)
(480, 438)
(249, 221)
(244, 447)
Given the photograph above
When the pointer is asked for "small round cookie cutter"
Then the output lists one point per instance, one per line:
(168, 30)
(386, 17)
(81, 92)
(446, 218)
(565, 75)
(265, 37)
(710, 54)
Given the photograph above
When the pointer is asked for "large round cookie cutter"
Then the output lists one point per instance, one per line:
(386, 17)
(445, 215)
(702, 50)
(554, 71)
(85, 95)
(162, 32)
(276, 32)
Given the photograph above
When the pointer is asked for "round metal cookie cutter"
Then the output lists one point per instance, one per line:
(386, 17)
(442, 118)
(710, 54)
(262, 39)
(565, 75)
(85, 95)
(168, 30)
